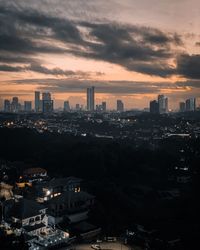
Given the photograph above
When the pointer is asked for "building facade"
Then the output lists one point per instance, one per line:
(120, 106)
(163, 104)
(90, 99)
(37, 101)
(154, 107)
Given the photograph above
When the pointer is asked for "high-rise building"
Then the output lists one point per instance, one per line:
(101, 107)
(47, 106)
(15, 106)
(66, 106)
(90, 99)
(182, 107)
(46, 96)
(154, 107)
(47, 103)
(27, 106)
(163, 104)
(7, 106)
(1, 104)
(190, 104)
(37, 101)
(104, 106)
(120, 106)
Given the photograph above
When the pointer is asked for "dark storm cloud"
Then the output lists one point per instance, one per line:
(189, 83)
(33, 24)
(41, 69)
(14, 38)
(55, 71)
(189, 66)
(157, 68)
(136, 48)
(131, 47)
(109, 87)
(17, 58)
(9, 68)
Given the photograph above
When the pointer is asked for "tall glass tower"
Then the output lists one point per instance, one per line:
(90, 99)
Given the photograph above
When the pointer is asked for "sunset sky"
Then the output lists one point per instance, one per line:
(131, 50)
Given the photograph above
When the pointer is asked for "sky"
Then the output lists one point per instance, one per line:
(131, 50)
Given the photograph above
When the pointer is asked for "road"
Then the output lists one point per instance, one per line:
(104, 246)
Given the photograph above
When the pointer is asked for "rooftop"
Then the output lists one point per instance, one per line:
(24, 208)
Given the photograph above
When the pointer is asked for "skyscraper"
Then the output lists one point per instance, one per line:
(15, 106)
(27, 106)
(163, 104)
(46, 96)
(104, 106)
(66, 106)
(154, 107)
(101, 107)
(182, 106)
(120, 106)
(190, 104)
(47, 103)
(1, 104)
(90, 99)
(7, 106)
(37, 101)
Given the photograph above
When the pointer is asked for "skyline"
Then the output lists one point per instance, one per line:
(159, 105)
(131, 51)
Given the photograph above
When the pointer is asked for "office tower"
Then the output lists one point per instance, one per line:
(66, 106)
(154, 107)
(1, 104)
(98, 108)
(37, 101)
(47, 103)
(190, 104)
(182, 106)
(46, 96)
(27, 106)
(7, 106)
(15, 106)
(163, 104)
(47, 106)
(90, 99)
(104, 106)
(101, 107)
(120, 106)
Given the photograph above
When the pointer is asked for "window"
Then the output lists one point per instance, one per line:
(31, 220)
(37, 218)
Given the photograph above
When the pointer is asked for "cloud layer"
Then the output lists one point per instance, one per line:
(31, 31)
(27, 32)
